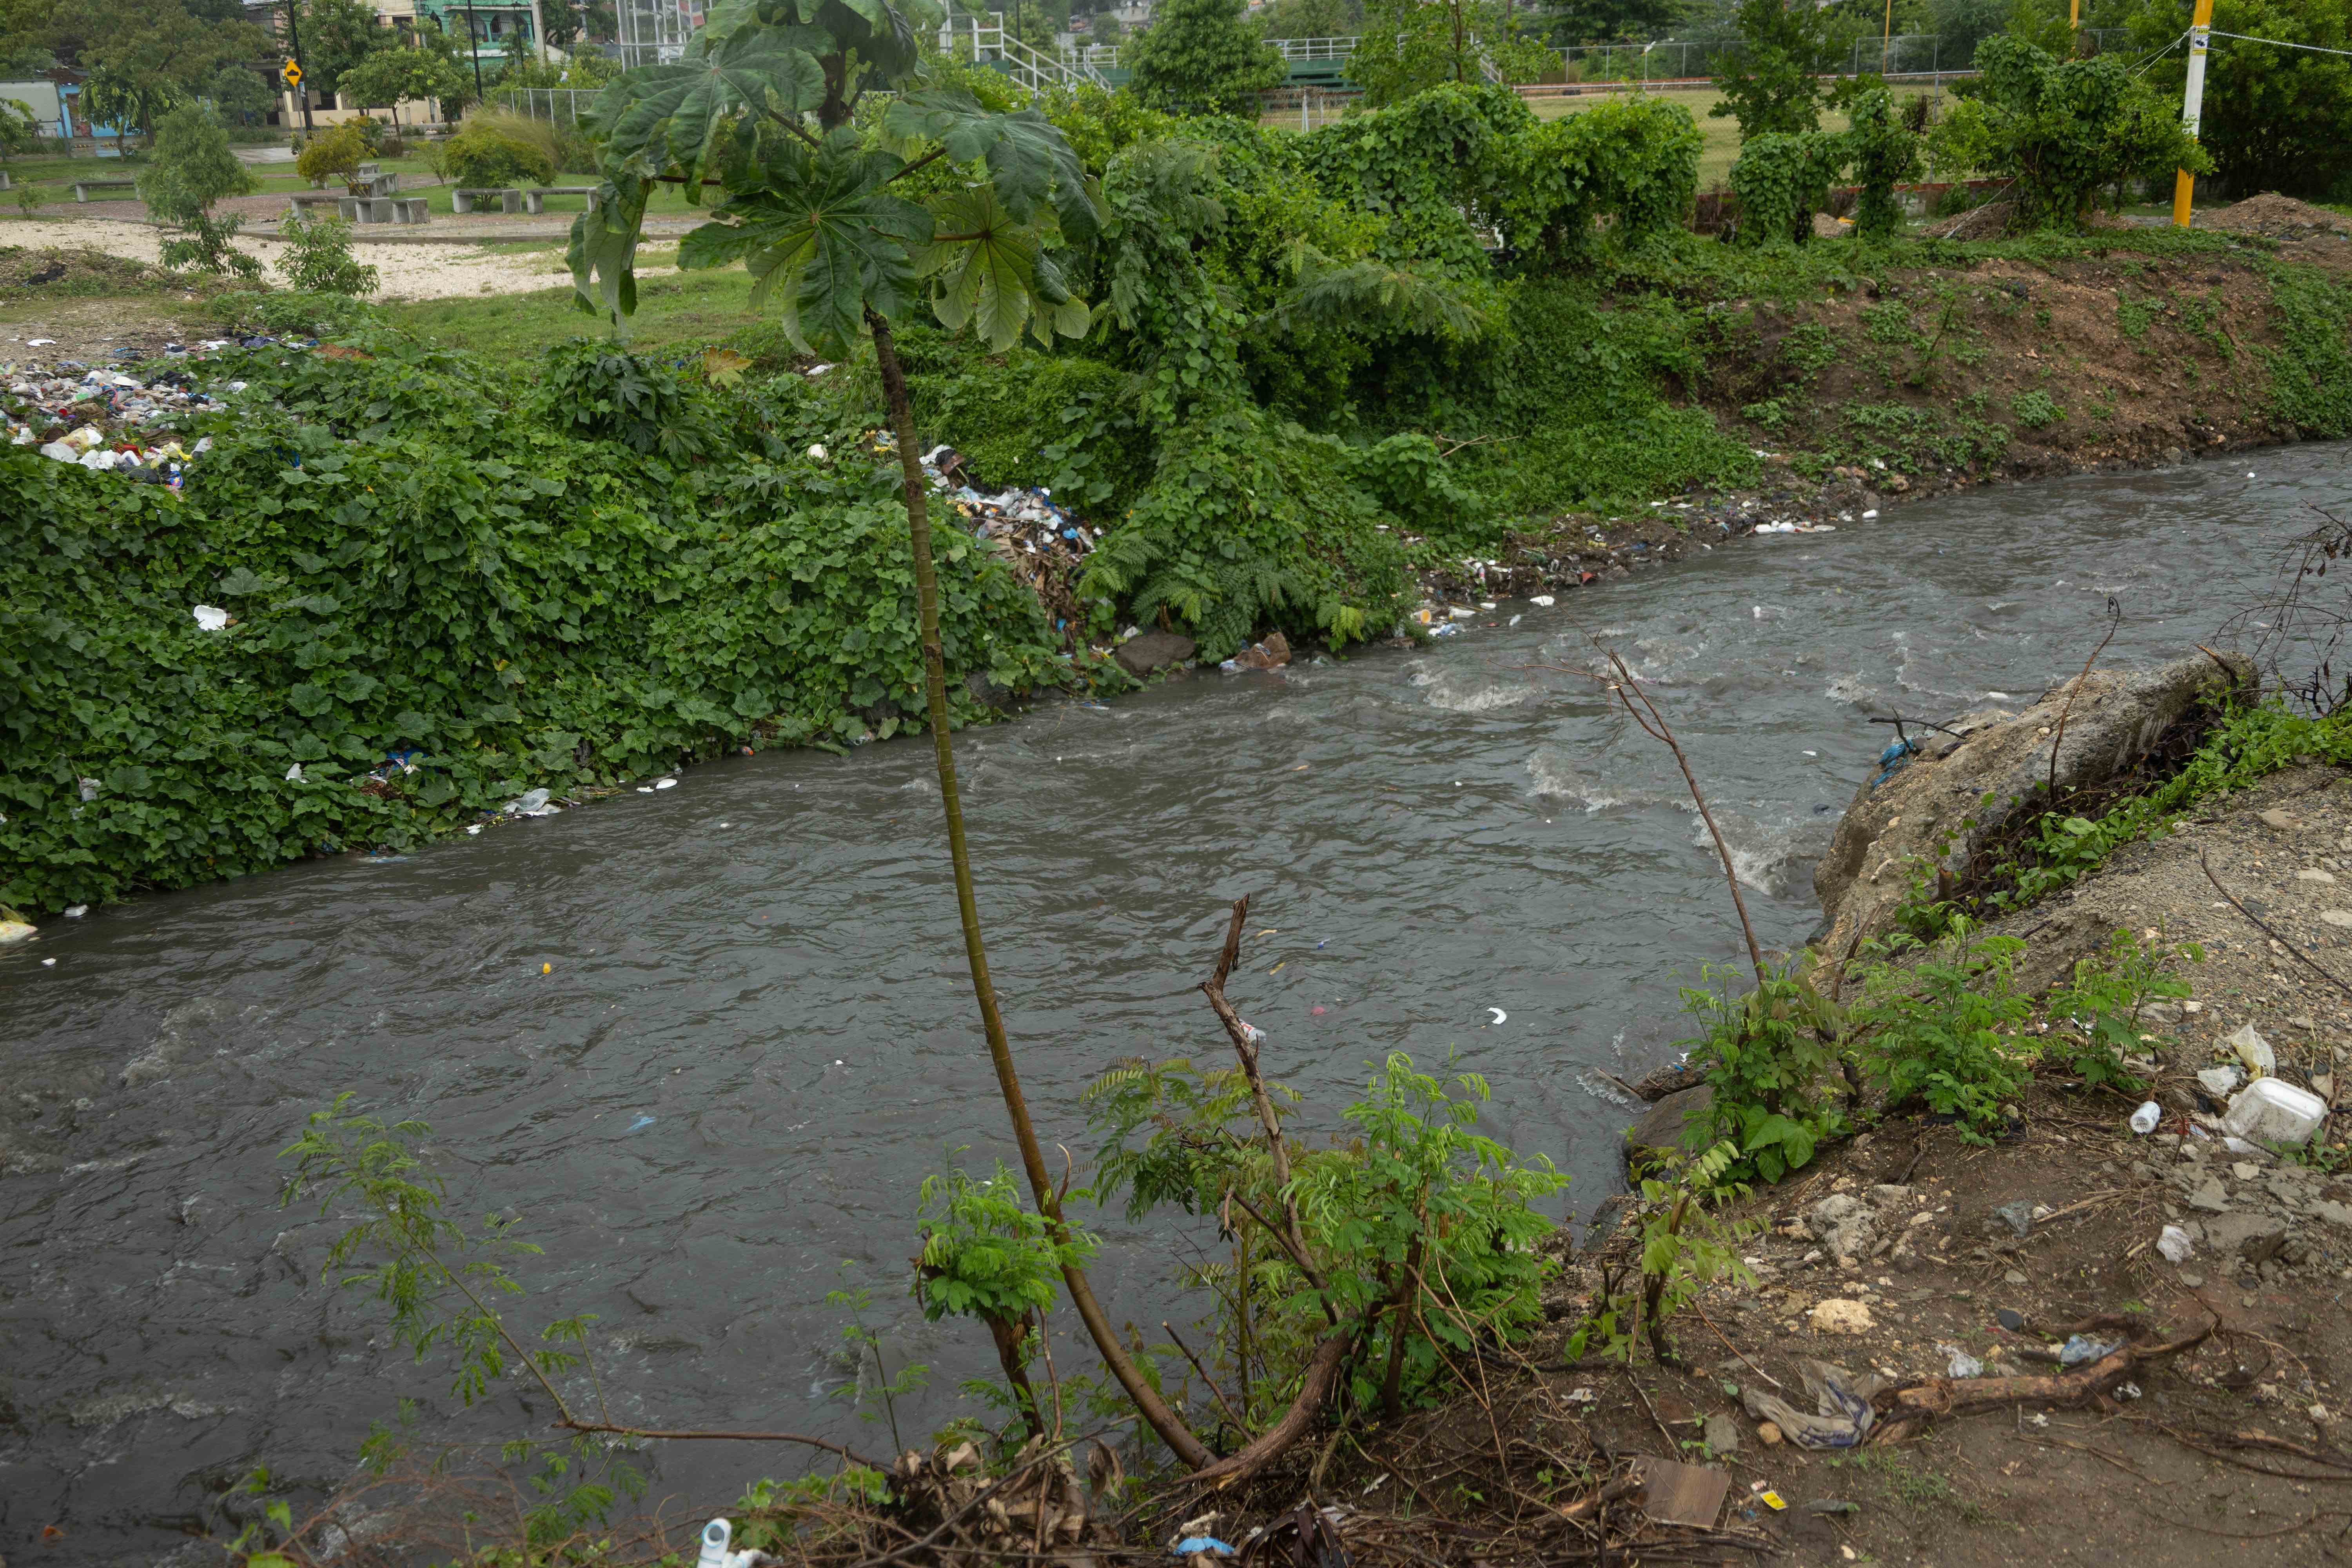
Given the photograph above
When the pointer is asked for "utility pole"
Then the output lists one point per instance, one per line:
(2192, 105)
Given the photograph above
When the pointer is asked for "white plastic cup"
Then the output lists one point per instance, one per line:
(715, 1537)
(2144, 1120)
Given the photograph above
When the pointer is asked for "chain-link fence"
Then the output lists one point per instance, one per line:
(563, 105)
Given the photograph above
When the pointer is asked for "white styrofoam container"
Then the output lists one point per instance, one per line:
(2274, 1111)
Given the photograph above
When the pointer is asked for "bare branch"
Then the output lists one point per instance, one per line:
(2058, 735)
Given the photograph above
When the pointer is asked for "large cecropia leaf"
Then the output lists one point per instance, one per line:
(603, 251)
(823, 239)
(670, 119)
(1028, 161)
(881, 38)
(995, 273)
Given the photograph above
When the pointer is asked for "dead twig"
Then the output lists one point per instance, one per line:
(2309, 961)
(1245, 1039)
(1626, 689)
(1734, 1349)
(1230, 1413)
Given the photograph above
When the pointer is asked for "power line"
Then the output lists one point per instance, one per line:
(2281, 43)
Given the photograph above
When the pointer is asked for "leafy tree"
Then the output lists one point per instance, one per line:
(1961, 25)
(141, 57)
(1410, 45)
(2063, 129)
(1199, 56)
(387, 77)
(562, 18)
(1770, 86)
(240, 92)
(193, 169)
(1310, 19)
(337, 35)
(2275, 119)
(1613, 21)
(845, 240)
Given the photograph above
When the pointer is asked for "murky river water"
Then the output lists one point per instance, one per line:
(757, 1033)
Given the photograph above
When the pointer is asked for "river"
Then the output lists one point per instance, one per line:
(705, 1041)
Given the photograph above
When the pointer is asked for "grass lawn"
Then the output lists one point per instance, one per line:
(676, 314)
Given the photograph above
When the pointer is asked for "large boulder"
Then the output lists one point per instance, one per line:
(1657, 1138)
(1906, 816)
(1147, 651)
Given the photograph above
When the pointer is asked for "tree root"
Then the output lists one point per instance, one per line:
(1907, 1408)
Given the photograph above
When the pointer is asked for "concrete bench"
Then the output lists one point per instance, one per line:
(410, 209)
(376, 185)
(4, 180)
(83, 187)
(298, 203)
(462, 199)
(536, 196)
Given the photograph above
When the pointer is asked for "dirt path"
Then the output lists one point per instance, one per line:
(409, 271)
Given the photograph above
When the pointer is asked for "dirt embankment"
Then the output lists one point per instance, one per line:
(1904, 1244)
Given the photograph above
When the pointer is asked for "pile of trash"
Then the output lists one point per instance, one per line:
(1044, 545)
(101, 417)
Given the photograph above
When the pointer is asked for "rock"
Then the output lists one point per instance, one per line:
(1139, 656)
(2256, 1238)
(1768, 1433)
(2333, 1213)
(2310, 876)
(988, 693)
(1887, 1195)
(2117, 718)
(2212, 1197)
(1657, 1137)
(2018, 1216)
(2276, 818)
(1836, 1316)
(1844, 1226)
(1722, 1434)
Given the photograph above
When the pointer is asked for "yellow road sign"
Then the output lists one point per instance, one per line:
(292, 74)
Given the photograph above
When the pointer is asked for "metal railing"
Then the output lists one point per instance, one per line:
(561, 105)
(988, 42)
(1313, 48)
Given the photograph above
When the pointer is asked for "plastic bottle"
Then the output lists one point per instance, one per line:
(2270, 1111)
(2144, 1119)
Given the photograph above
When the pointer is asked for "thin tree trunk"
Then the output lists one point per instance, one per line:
(1154, 1410)
(1012, 1337)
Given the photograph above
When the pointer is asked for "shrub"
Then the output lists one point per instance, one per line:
(334, 155)
(1936, 1027)
(417, 567)
(2103, 1000)
(2063, 129)
(319, 259)
(1781, 180)
(1884, 148)
(2035, 409)
(1771, 1058)
(486, 154)
(594, 389)
(1769, 84)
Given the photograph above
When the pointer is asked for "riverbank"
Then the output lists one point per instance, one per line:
(1908, 1254)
